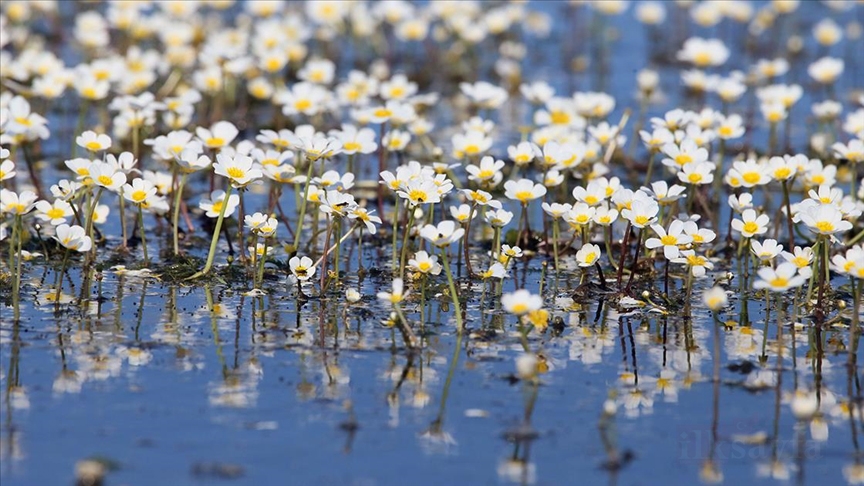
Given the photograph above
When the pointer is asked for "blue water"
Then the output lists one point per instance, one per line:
(272, 390)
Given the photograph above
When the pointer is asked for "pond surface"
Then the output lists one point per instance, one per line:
(163, 382)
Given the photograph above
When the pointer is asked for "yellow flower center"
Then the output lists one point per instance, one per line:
(695, 261)
(778, 282)
(424, 266)
(590, 257)
(472, 149)
(825, 226)
(683, 159)
(669, 240)
(694, 177)
(93, 146)
(351, 146)
(139, 196)
(702, 58)
(382, 113)
(236, 172)
(725, 131)
(641, 219)
(751, 227)
(559, 117)
(524, 196)
(215, 142)
(55, 213)
(519, 308)
(273, 64)
(105, 180)
(591, 199)
(417, 195)
(302, 105)
(782, 173)
(751, 177)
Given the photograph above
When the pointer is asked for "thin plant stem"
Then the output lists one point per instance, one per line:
(303, 204)
(215, 240)
(405, 242)
(459, 325)
(175, 218)
(143, 233)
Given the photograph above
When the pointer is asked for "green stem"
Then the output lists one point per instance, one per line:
(303, 204)
(405, 242)
(453, 293)
(260, 279)
(143, 234)
(175, 219)
(216, 232)
(555, 231)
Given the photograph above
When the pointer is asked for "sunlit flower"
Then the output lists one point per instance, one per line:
(239, 169)
(750, 224)
(588, 255)
(213, 205)
(54, 213)
(93, 142)
(73, 238)
(302, 268)
(784, 277)
(669, 240)
(396, 296)
(767, 250)
(523, 190)
(521, 302)
(715, 298)
(424, 263)
(444, 234)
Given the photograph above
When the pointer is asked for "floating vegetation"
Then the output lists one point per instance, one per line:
(609, 238)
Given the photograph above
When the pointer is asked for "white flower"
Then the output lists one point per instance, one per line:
(301, 267)
(715, 298)
(697, 263)
(487, 172)
(337, 203)
(766, 251)
(105, 175)
(523, 190)
(445, 234)
(824, 219)
(140, 191)
(218, 136)
(703, 52)
(55, 213)
(826, 70)
(396, 296)
(93, 142)
(366, 217)
(499, 218)
(669, 240)
(697, 173)
(750, 224)
(239, 169)
(73, 237)
(784, 277)
(588, 255)
(213, 205)
(7, 169)
(521, 302)
(425, 263)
